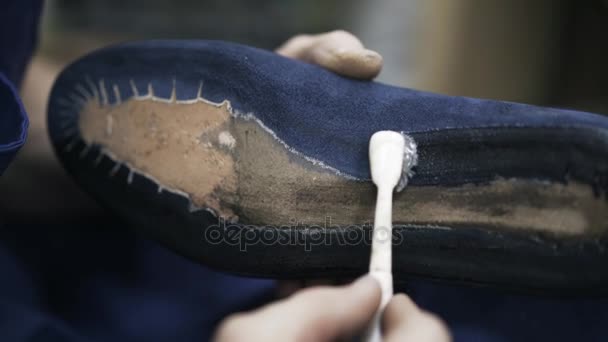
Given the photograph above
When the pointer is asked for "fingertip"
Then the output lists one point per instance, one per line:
(404, 320)
(367, 294)
(367, 284)
(397, 310)
(372, 57)
(402, 300)
(231, 328)
(374, 63)
(356, 63)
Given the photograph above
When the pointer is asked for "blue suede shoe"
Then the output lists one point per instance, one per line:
(257, 164)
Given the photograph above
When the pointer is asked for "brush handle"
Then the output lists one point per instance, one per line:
(380, 261)
(374, 333)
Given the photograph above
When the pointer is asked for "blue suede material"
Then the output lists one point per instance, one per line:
(13, 123)
(18, 31)
(485, 314)
(100, 282)
(18, 36)
(318, 113)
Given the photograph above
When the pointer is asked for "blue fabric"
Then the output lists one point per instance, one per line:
(485, 314)
(318, 113)
(18, 36)
(13, 123)
(18, 32)
(99, 282)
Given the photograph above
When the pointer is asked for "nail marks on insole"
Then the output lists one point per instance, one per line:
(160, 140)
(269, 183)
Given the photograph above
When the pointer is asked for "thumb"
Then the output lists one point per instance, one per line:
(336, 312)
(313, 314)
(404, 321)
(338, 51)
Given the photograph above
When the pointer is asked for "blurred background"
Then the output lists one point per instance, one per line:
(547, 52)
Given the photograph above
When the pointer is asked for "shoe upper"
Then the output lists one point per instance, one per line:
(330, 118)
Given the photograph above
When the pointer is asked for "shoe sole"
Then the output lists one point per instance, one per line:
(179, 157)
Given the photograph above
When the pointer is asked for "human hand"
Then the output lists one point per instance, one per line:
(403, 320)
(333, 313)
(338, 51)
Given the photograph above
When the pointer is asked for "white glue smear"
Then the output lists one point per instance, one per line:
(391, 156)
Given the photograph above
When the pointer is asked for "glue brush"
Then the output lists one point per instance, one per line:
(392, 156)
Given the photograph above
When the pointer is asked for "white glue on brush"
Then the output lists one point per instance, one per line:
(392, 156)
